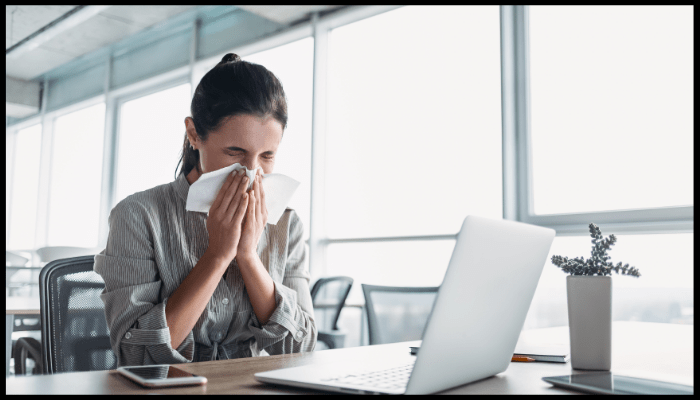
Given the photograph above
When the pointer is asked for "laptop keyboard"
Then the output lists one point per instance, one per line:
(391, 378)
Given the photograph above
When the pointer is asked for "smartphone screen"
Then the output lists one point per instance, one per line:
(159, 372)
(608, 383)
(161, 375)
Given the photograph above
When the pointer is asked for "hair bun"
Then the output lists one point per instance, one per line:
(230, 57)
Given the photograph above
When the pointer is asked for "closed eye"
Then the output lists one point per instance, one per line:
(234, 151)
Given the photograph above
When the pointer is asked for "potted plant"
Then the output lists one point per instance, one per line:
(589, 299)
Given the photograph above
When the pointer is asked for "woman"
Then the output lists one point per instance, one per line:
(184, 286)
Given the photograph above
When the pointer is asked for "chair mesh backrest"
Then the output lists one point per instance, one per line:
(397, 314)
(330, 292)
(75, 336)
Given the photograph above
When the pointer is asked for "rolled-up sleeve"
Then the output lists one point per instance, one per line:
(291, 327)
(135, 314)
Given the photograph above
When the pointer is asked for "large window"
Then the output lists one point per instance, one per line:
(611, 107)
(292, 64)
(151, 134)
(76, 178)
(25, 188)
(414, 139)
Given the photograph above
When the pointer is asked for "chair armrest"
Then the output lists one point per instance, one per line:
(333, 339)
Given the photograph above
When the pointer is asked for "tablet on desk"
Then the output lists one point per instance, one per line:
(609, 383)
(161, 375)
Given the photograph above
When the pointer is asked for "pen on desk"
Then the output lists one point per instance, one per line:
(522, 359)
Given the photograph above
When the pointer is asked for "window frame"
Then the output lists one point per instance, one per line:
(49, 119)
(117, 102)
(11, 142)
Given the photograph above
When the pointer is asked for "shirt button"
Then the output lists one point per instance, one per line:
(128, 335)
(224, 301)
(219, 335)
(299, 335)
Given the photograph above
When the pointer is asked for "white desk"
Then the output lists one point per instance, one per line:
(650, 350)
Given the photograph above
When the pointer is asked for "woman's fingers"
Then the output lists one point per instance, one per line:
(237, 197)
(260, 210)
(256, 198)
(251, 208)
(230, 199)
(241, 210)
(222, 192)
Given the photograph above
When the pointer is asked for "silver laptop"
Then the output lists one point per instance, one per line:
(474, 325)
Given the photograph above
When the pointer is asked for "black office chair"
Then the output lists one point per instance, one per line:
(330, 292)
(397, 314)
(74, 332)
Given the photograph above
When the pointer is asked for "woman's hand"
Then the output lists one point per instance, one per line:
(254, 221)
(226, 216)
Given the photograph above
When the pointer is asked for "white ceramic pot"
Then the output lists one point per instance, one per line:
(589, 300)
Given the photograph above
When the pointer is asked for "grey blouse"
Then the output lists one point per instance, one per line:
(154, 243)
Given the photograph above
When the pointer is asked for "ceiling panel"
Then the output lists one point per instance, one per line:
(144, 16)
(106, 26)
(34, 63)
(285, 14)
(109, 26)
(96, 32)
(22, 21)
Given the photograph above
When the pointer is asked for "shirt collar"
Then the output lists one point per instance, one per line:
(181, 186)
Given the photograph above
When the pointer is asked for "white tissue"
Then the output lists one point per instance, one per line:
(278, 188)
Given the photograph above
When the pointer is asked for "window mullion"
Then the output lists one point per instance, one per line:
(317, 232)
(645, 221)
(508, 115)
(515, 103)
(42, 213)
(108, 159)
(522, 110)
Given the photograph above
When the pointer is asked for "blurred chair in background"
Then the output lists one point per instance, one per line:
(13, 264)
(397, 314)
(15, 260)
(26, 282)
(29, 325)
(74, 331)
(50, 253)
(328, 296)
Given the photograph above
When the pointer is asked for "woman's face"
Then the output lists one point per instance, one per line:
(242, 139)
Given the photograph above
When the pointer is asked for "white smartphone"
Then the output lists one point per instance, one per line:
(161, 375)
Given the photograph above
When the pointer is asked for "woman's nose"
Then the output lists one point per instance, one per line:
(250, 164)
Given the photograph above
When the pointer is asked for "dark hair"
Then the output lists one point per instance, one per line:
(232, 87)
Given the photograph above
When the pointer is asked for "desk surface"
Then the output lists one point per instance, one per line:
(22, 305)
(666, 352)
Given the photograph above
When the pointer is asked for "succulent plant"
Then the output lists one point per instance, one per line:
(599, 263)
